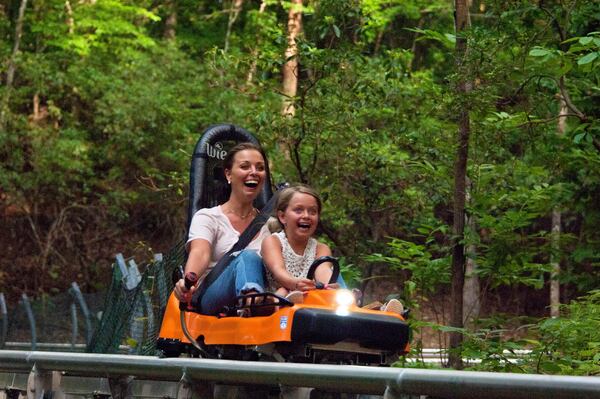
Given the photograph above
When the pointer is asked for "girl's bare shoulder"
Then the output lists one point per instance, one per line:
(323, 249)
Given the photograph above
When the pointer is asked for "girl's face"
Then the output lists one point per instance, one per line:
(247, 175)
(301, 217)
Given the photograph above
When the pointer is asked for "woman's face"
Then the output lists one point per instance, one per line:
(301, 217)
(247, 174)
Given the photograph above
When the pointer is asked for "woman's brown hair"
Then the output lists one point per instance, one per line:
(228, 161)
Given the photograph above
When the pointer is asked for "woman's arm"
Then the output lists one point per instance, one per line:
(198, 261)
(273, 259)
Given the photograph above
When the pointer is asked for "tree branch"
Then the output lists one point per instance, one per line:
(567, 99)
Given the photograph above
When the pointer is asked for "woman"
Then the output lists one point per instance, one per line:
(213, 231)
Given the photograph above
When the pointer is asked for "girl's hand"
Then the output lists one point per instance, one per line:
(304, 284)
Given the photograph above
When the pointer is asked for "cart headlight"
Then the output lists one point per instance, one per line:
(344, 299)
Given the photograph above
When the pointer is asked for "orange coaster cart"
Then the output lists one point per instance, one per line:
(328, 327)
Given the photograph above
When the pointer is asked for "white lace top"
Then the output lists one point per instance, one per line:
(296, 265)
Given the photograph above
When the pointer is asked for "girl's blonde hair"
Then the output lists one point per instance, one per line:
(283, 201)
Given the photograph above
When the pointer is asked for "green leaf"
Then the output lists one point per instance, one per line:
(451, 38)
(550, 367)
(566, 67)
(585, 40)
(450, 329)
(578, 137)
(539, 52)
(336, 30)
(587, 58)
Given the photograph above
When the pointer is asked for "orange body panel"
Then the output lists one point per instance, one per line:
(256, 330)
(227, 330)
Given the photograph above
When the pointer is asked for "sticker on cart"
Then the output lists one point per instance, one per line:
(283, 322)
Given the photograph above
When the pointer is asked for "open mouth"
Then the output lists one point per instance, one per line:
(251, 183)
(304, 226)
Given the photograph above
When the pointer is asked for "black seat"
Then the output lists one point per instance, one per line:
(208, 186)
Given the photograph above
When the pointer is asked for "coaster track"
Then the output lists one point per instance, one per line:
(55, 374)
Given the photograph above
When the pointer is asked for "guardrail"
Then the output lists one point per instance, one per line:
(46, 367)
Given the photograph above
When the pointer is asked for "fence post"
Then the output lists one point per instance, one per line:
(161, 288)
(4, 314)
(29, 313)
(134, 274)
(76, 292)
(126, 272)
(74, 325)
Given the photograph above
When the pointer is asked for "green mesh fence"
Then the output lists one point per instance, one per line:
(133, 315)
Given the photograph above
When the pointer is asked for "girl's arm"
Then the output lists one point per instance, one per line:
(273, 259)
(323, 272)
(198, 261)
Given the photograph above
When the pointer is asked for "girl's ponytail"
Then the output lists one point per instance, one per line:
(274, 225)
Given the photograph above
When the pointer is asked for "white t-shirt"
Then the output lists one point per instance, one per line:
(212, 225)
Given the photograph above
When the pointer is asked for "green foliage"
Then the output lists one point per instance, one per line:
(100, 26)
(570, 344)
(426, 272)
(564, 345)
(104, 111)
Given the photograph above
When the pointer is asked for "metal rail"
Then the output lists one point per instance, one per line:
(394, 382)
(54, 347)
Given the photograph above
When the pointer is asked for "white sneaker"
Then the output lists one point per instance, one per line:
(393, 305)
(295, 297)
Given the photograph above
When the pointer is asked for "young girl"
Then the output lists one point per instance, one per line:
(291, 249)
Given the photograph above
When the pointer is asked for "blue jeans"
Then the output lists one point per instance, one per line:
(244, 273)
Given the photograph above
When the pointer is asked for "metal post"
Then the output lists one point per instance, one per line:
(29, 313)
(134, 275)
(160, 281)
(122, 266)
(4, 314)
(74, 325)
(76, 292)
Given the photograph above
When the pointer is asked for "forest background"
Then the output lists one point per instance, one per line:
(378, 104)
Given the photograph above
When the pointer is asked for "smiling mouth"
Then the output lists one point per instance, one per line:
(304, 226)
(251, 183)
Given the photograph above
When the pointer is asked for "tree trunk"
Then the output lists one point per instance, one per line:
(10, 71)
(460, 173)
(471, 289)
(555, 263)
(171, 21)
(471, 294)
(252, 70)
(234, 12)
(556, 230)
(290, 68)
(70, 21)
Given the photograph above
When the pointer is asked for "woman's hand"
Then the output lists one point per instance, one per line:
(304, 284)
(198, 260)
(182, 293)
